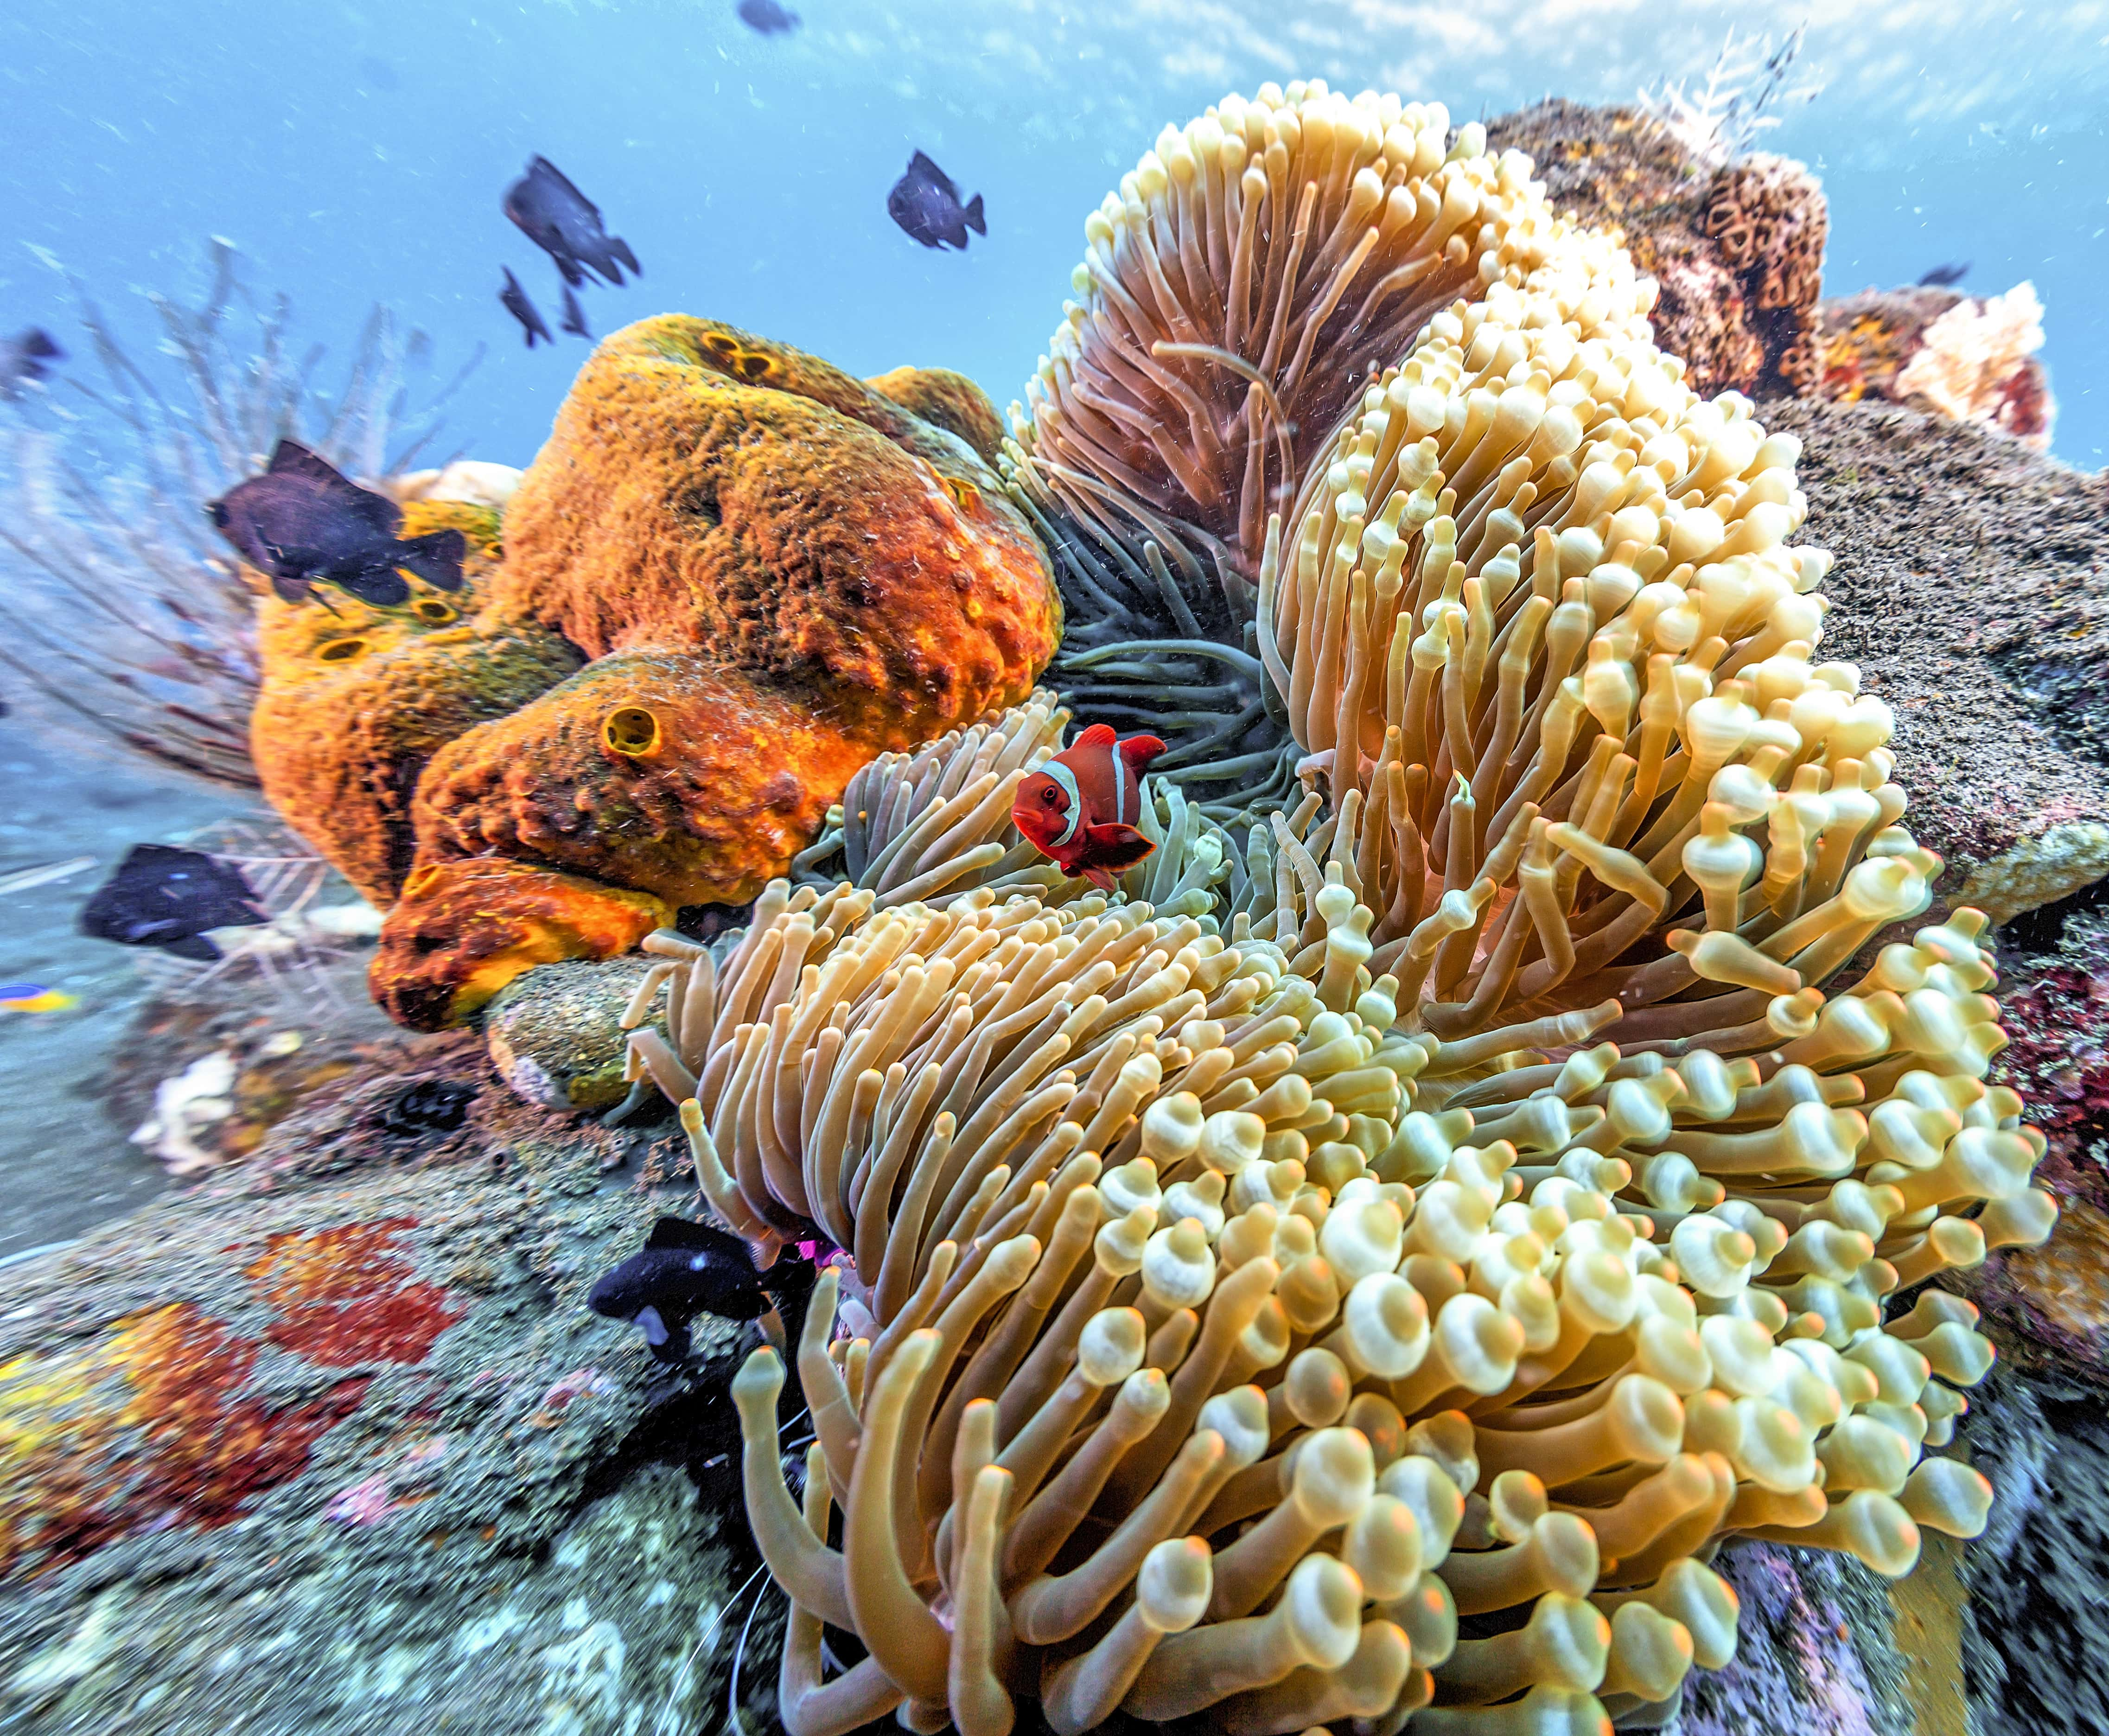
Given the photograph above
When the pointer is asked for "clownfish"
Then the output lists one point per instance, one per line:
(1077, 806)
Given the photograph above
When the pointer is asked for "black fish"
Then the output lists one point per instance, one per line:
(684, 1269)
(166, 897)
(1944, 277)
(565, 224)
(27, 355)
(429, 1106)
(574, 316)
(301, 522)
(529, 316)
(767, 17)
(926, 204)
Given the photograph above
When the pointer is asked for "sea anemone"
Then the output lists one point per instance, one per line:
(1389, 1284)
(1247, 280)
(937, 822)
(1154, 1237)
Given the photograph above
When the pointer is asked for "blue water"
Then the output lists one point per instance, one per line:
(357, 152)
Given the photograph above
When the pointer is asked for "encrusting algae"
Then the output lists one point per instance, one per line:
(1360, 1270)
(1370, 1285)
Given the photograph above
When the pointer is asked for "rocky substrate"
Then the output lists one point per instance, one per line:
(333, 1444)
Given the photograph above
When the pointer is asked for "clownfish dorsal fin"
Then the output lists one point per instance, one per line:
(1139, 751)
(1098, 736)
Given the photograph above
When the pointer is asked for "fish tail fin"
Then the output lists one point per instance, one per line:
(620, 249)
(975, 220)
(436, 559)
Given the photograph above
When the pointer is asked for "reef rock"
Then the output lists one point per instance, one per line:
(1939, 350)
(348, 1452)
(1970, 590)
(732, 576)
(1738, 247)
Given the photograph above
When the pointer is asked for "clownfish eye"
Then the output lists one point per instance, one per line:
(1050, 796)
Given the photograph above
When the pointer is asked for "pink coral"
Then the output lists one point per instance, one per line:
(1975, 363)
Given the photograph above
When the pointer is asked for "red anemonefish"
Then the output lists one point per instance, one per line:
(1077, 806)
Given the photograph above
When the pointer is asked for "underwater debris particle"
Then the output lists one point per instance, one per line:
(348, 1296)
(143, 1429)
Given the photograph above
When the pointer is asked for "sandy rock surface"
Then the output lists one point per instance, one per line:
(345, 1451)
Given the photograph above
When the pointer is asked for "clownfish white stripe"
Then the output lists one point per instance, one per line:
(1113, 769)
(1066, 780)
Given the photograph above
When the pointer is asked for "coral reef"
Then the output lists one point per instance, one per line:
(1736, 246)
(1363, 1269)
(279, 1420)
(1935, 349)
(772, 571)
(1976, 364)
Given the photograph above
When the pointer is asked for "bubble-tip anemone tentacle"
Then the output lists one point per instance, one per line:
(1481, 1197)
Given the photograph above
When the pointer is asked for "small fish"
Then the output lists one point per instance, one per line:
(926, 204)
(516, 303)
(766, 18)
(683, 1270)
(574, 316)
(1078, 806)
(26, 356)
(33, 997)
(429, 1106)
(21, 879)
(565, 224)
(1944, 277)
(303, 522)
(167, 897)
